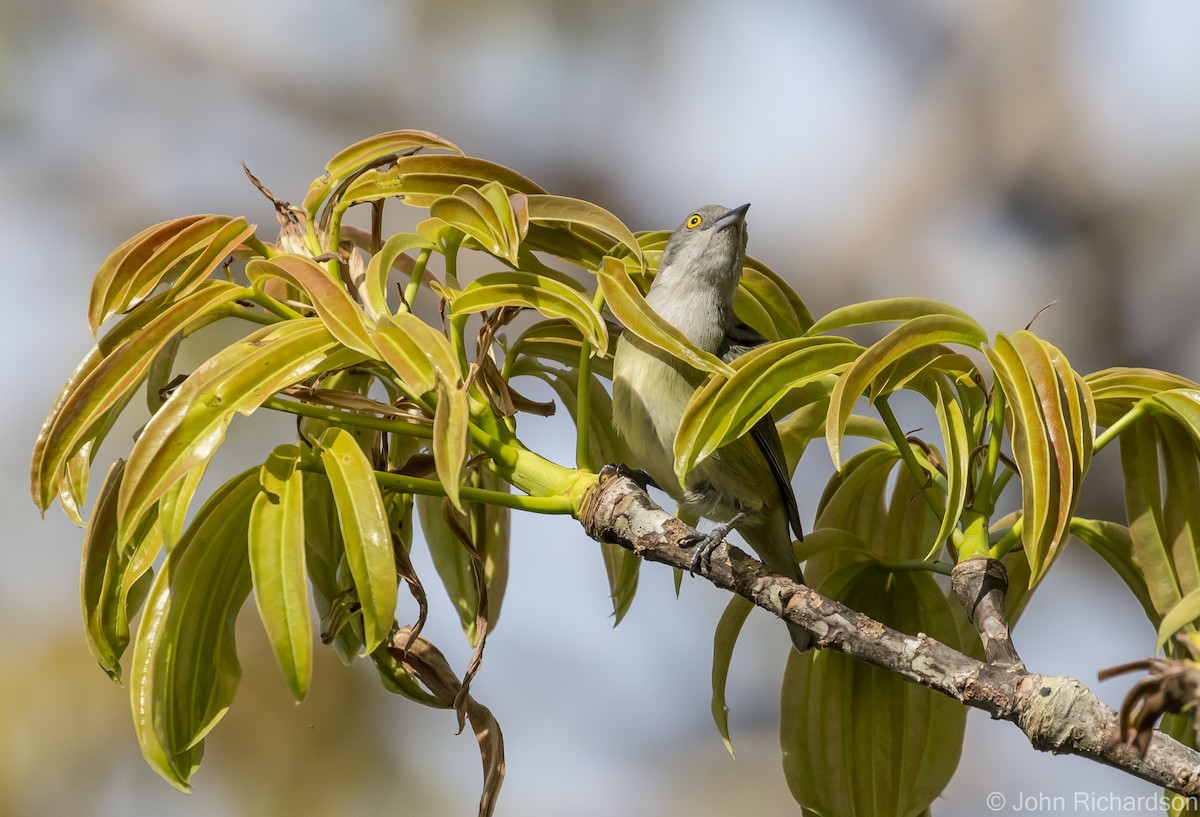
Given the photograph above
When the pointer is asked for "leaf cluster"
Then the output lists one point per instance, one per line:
(409, 419)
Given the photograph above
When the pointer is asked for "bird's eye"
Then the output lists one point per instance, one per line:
(694, 221)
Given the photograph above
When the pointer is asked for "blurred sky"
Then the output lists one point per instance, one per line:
(1000, 155)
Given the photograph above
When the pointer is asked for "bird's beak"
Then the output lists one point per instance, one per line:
(735, 216)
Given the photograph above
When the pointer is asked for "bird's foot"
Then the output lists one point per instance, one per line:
(704, 544)
(639, 476)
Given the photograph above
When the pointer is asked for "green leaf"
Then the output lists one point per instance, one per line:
(958, 450)
(173, 505)
(158, 376)
(450, 438)
(108, 572)
(105, 381)
(415, 350)
(453, 561)
(422, 179)
(1152, 546)
(72, 488)
(487, 215)
(342, 316)
(914, 334)
(1114, 544)
(724, 640)
(560, 341)
(637, 317)
(1116, 390)
(860, 740)
(726, 409)
(363, 153)
(365, 532)
(185, 666)
(1181, 405)
(326, 561)
(277, 565)
(585, 218)
(380, 266)
(890, 310)
(1181, 615)
(787, 313)
(546, 295)
(191, 424)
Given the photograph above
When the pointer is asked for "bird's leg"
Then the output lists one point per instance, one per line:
(706, 543)
(639, 476)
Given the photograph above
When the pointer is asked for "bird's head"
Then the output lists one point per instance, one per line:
(708, 248)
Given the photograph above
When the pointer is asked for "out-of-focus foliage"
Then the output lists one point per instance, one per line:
(401, 411)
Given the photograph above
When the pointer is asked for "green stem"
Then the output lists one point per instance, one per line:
(348, 418)
(458, 342)
(919, 473)
(414, 280)
(256, 244)
(1009, 540)
(583, 398)
(531, 472)
(988, 490)
(271, 305)
(451, 256)
(431, 487)
(909, 565)
(1123, 422)
(246, 314)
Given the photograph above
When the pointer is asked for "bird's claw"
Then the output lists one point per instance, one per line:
(643, 479)
(704, 544)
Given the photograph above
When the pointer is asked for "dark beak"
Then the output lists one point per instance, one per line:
(735, 216)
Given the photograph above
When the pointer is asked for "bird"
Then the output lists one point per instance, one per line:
(744, 485)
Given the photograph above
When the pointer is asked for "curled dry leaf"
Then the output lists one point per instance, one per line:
(426, 662)
(1172, 685)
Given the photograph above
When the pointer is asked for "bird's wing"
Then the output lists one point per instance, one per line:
(740, 339)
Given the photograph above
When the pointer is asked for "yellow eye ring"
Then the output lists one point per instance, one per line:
(694, 221)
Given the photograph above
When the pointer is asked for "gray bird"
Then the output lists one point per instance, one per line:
(744, 485)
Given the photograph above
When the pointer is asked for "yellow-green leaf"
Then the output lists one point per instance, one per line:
(380, 266)
(888, 310)
(450, 438)
(422, 179)
(546, 295)
(726, 409)
(277, 566)
(154, 249)
(1116, 390)
(416, 351)
(362, 154)
(1181, 615)
(916, 333)
(365, 532)
(637, 317)
(583, 216)
(325, 559)
(778, 302)
(342, 316)
(191, 424)
(1051, 439)
(105, 380)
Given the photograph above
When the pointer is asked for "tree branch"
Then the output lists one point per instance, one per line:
(1057, 713)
